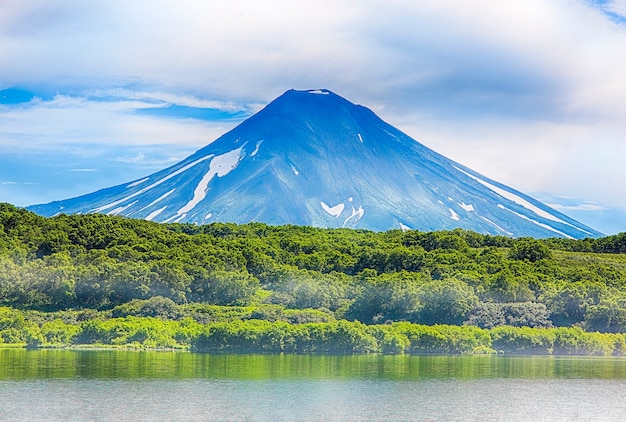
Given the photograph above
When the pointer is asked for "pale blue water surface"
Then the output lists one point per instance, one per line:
(64, 385)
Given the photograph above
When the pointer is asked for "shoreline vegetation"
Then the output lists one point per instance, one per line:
(336, 337)
(91, 281)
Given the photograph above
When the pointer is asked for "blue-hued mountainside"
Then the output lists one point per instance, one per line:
(314, 158)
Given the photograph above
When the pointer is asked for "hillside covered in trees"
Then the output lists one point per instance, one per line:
(82, 272)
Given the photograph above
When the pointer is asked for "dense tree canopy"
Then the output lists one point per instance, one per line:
(302, 274)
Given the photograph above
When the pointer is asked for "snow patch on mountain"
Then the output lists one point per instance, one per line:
(545, 226)
(355, 216)
(334, 211)
(405, 228)
(466, 207)
(514, 198)
(175, 218)
(153, 214)
(256, 149)
(155, 184)
(159, 199)
(521, 201)
(318, 91)
(508, 233)
(138, 182)
(120, 210)
(220, 166)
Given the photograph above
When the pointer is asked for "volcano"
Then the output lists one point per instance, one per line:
(314, 158)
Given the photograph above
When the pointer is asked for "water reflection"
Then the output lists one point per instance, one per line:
(111, 364)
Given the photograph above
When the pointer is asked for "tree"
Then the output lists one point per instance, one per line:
(519, 314)
(388, 297)
(608, 316)
(529, 249)
(447, 301)
(225, 288)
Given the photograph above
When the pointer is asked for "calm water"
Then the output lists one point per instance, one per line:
(62, 385)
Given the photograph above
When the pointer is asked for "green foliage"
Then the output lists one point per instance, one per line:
(611, 244)
(62, 329)
(303, 289)
(15, 328)
(528, 249)
(340, 337)
(157, 307)
(300, 275)
(523, 340)
(387, 298)
(225, 288)
(607, 316)
(444, 338)
(520, 314)
(560, 341)
(390, 340)
(142, 332)
(574, 341)
(57, 332)
(569, 302)
(448, 301)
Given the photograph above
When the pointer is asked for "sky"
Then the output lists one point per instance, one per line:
(529, 93)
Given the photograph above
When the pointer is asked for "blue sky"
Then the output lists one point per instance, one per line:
(530, 93)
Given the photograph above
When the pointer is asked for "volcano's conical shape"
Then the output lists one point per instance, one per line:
(314, 158)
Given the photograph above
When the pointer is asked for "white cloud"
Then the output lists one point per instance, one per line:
(618, 6)
(78, 121)
(615, 9)
(150, 99)
(554, 57)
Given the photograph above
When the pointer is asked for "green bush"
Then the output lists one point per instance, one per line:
(57, 332)
(443, 339)
(575, 341)
(523, 340)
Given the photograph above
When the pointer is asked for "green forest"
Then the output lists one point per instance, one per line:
(85, 280)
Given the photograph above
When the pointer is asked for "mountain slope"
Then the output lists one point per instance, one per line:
(314, 158)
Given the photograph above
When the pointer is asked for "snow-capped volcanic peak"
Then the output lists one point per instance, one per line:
(314, 158)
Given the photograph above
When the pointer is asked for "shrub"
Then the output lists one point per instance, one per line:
(523, 340)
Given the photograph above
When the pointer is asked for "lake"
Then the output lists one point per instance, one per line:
(88, 385)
